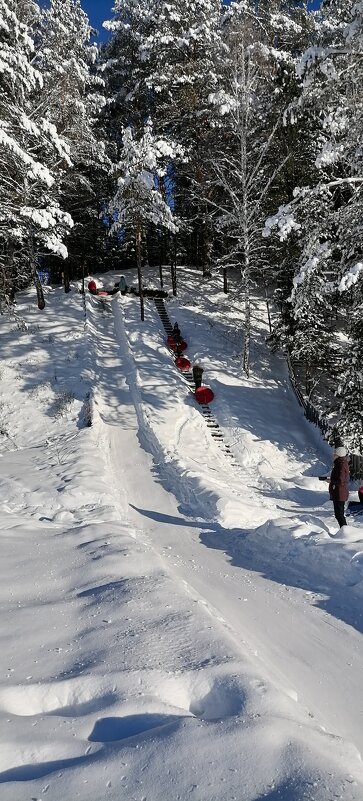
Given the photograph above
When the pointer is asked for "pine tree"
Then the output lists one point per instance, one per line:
(325, 212)
(138, 201)
(350, 391)
(125, 71)
(160, 63)
(187, 49)
(331, 203)
(31, 217)
(72, 99)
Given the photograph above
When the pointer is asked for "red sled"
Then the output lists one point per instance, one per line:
(174, 345)
(204, 395)
(182, 362)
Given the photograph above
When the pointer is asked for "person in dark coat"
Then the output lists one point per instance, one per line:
(197, 375)
(11, 295)
(121, 285)
(176, 334)
(178, 350)
(114, 291)
(338, 485)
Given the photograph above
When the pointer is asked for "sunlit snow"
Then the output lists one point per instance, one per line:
(179, 616)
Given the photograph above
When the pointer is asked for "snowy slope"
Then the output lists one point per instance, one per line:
(175, 621)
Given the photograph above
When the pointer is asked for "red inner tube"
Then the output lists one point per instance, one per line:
(182, 363)
(204, 394)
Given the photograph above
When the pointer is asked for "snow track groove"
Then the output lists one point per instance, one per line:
(114, 393)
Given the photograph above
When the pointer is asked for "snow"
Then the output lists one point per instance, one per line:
(351, 277)
(329, 154)
(285, 222)
(223, 100)
(176, 621)
(36, 170)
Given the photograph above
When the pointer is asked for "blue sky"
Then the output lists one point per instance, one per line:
(99, 10)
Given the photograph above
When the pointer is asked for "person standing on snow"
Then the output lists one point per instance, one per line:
(176, 334)
(338, 485)
(122, 285)
(178, 350)
(92, 287)
(197, 375)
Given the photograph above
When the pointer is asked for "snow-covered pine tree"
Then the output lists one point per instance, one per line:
(125, 71)
(293, 29)
(138, 201)
(184, 52)
(72, 97)
(30, 210)
(327, 210)
(313, 344)
(161, 63)
(349, 392)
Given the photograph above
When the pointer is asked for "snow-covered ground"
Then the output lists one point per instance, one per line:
(176, 621)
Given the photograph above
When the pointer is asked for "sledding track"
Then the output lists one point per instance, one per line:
(211, 421)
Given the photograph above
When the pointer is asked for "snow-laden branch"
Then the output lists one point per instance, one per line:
(284, 219)
(36, 170)
(351, 277)
(47, 218)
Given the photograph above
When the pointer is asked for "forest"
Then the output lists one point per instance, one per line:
(224, 137)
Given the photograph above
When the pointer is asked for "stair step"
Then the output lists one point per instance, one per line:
(205, 410)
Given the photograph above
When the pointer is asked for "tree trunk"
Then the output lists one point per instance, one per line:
(247, 342)
(67, 287)
(39, 289)
(139, 272)
(268, 311)
(173, 268)
(7, 284)
(83, 271)
(205, 247)
(225, 282)
(161, 249)
(308, 379)
(35, 276)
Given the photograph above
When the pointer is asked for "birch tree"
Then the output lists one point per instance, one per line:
(246, 164)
